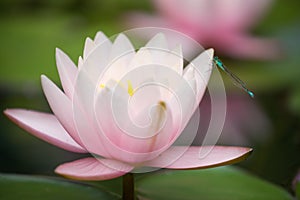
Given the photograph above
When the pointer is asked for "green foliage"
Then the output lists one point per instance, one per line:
(35, 188)
(298, 190)
(210, 184)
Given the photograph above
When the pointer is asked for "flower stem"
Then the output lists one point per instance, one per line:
(128, 187)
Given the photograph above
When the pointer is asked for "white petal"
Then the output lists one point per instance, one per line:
(122, 53)
(101, 38)
(127, 139)
(158, 48)
(189, 76)
(121, 46)
(84, 115)
(88, 47)
(202, 65)
(141, 58)
(175, 59)
(97, 62)
(80, 62)
(67, 72)
(158, 41)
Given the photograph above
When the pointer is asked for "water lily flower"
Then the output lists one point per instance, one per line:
(90, 114)
(224, 25)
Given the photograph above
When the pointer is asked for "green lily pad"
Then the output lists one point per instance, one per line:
(113, 185)
(210, 184)
(36, 188)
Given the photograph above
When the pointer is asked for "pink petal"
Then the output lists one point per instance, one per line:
(124, 139)
(67, 72)
(181, 157)
(240, 14)
(93, 169)
(188, 12)
(61, 106)
(44, 126)
(84, 115)
(244, 46)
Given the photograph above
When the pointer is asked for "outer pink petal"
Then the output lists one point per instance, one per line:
(61, 105)
(93, 169)
(67, 72)
(194, 157)
(44, 126)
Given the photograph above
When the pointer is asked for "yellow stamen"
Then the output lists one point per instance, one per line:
(130, 89)
(102, 85)
(162, 104)
(158, 123)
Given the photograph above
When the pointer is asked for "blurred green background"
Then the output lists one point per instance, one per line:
(31, 29)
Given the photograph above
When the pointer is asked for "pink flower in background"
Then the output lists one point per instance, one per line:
(223, 25)
(242, 113)
(89, 113)
(296, 182)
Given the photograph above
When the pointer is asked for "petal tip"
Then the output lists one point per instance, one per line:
(7, 111)
(44, 80)
(92, 169)
(10, 112)
(249, 150)
(122, 39)
(101, 38)
(99, 34)
(158, 41)
(58, 53)
(43, 77)
(88, 39)
(210, 52)
(58, 50)
(160, 35)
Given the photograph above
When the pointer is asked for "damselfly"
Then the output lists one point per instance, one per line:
(236, 80)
